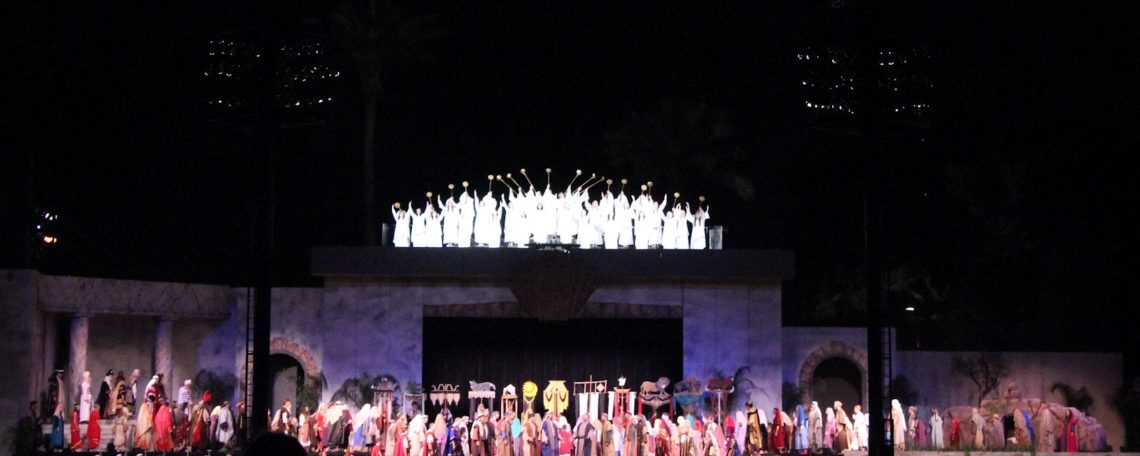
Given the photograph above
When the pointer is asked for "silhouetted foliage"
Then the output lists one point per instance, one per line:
(986, 371)
(1079, 399)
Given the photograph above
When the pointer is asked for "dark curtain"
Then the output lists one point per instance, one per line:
(512, 350)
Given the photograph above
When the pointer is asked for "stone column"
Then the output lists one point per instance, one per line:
(164, 352)
(78, 355)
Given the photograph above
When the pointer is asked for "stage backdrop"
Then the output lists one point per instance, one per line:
(510, 351)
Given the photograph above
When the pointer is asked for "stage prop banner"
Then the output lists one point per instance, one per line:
(509, 401)
(444, 395)
(384, 396)
(530, 391)
(621, 399)
(687, 396)
(589, 393)
(413, 404)
(654, 395)
(481, 393)
(555, 397)
(720, 388)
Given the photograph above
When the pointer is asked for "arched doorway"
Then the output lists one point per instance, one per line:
(288, 377)
(837, 360)
(837, 379)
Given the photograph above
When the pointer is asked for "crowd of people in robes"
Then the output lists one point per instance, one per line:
(520, 217)
(1043, 429)
(333, 427)
(141, 416)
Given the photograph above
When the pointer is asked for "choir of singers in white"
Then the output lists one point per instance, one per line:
(521, 217)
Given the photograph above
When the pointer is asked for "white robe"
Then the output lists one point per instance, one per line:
(419, 230)
(669, 232)
(698, 240)
(936, 432)
(401, 236)
(433, 232)
(224, 416)
(451, 226)
(898, 430)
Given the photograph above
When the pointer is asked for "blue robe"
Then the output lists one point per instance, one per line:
(801, 429)
(1029, 426)
(56, 431)
(449, 446)
(358, 436)
(550, 447)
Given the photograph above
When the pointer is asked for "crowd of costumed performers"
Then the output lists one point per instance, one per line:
(693, 420)
(140, 416)
(690, 422)
(526, 215)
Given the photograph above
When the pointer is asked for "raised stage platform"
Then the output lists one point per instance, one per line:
(605, 265)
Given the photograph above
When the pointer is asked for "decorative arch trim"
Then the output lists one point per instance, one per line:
(833, 349)
(285, 346)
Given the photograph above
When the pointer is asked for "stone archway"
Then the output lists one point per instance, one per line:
(284, 346)
(833, 349)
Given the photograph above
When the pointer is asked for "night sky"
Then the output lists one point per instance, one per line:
(1009, 204)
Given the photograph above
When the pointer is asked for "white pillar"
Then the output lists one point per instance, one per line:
(164, 352)
(78, 357)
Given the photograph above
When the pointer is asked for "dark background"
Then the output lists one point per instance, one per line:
(512, 351)
(1010, 204)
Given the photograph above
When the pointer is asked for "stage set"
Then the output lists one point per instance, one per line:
(593, 330)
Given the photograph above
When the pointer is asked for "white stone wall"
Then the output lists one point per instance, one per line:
(735, 331)
(21, 348)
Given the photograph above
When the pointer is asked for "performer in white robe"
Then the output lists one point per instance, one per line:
(401, 236)
(898, 428)
(466, 219)
(419, 228)
(85, 397)
(225, 429)
(624, 218)
(683, 219)
(861, 421)
(433, 228)
(643, 230)
(417, 433)
(698, 239)
(566, 220)
(669, 231)
(512, 222)
(936, 430)
(542, 223)
(450, 223)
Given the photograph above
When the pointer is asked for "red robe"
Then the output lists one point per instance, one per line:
(776, 434)
(1069, 435)
(93, 431)
(322, 431)
(163, 425)
(197, 428)
(955, 434)
(76, 439)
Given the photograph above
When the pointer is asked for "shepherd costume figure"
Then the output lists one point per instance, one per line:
(753, 443)
(550, 443)
(104, 397)
(584, 437)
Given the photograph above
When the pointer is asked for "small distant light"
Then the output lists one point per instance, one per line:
(909, 308)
